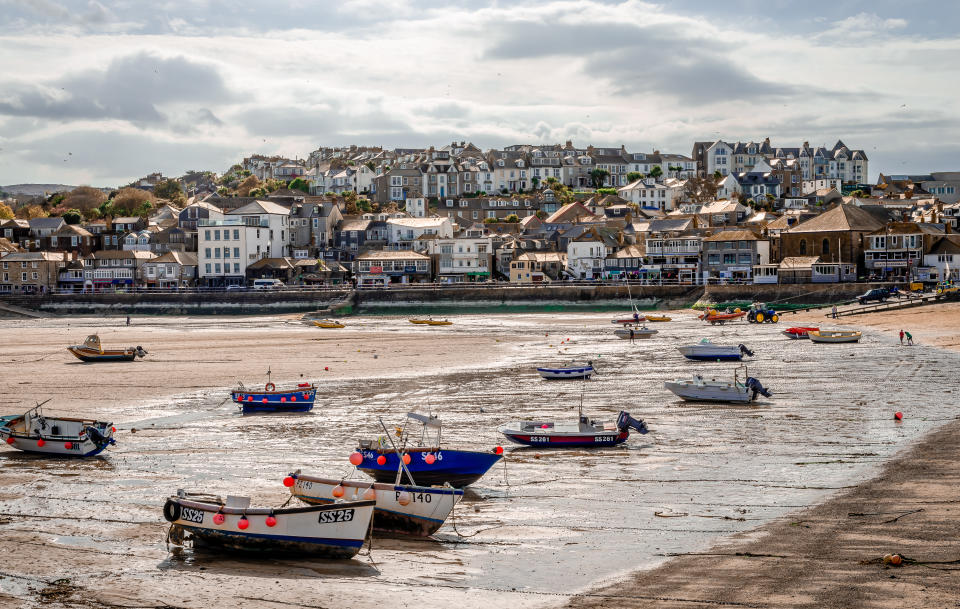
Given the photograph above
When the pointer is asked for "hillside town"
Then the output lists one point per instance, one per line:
(730, 212)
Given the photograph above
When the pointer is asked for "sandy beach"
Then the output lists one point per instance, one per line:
(540, 533)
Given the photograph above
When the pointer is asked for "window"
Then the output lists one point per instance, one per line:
(36, 275)
(23, 276)
(729, 258)
(803, 247)
(216, 235)
(216, 252)
(713, 259)
(206, 253)
(236, 252)
(206, 235)
(226, 235)
(825, 247)
(217, 268)
(236, 234)
(236, 268)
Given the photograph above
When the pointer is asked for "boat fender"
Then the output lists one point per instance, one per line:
(171, 511)
(745, 351)
(269, 387)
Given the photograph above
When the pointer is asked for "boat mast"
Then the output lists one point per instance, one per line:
(399, 455)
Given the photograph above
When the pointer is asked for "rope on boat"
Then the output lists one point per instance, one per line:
(369, 540)
(28, 361)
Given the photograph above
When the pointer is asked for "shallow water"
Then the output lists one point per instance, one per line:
(548, 523)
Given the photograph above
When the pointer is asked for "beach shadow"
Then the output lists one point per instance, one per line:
(267, 566)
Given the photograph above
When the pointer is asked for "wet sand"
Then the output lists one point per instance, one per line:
(539, 531)
(830, 555)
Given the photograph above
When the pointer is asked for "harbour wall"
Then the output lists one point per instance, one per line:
(402, 299)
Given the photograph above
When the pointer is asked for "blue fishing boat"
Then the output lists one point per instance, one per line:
(428, 463)
(270, 399)
(568, 372)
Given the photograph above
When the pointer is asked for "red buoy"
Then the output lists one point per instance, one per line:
(430, 459)
(10, 440)
(68, 445)
(283, 399)
(356, 458)
(337, 491)
(271, 521)
(327, 368)
(898, 416)
(381, 460)
(498, 450)
(406, 459)
(289, 481)
(218, 518)
(243, 523)
(41, 442)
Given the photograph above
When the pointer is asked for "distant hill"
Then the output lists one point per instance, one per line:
(35, 190)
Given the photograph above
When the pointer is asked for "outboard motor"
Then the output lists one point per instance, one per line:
(625, 421)
(94, 434)
(757, 388)
(140, 351)
(745, 351)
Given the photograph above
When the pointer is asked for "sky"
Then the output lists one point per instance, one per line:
(101, 93)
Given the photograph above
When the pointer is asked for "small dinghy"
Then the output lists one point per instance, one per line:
(270, 399)
(714, 317)
(327, 323)
(328, 531)
(569, 372)
(636, 319)
(656, 318)
(834, 336)
(707, 351)
(742, 390)
(585, 432)
(799, 332)
(400, 508)
(92, 351)
(424, 458)
(36, 433)
(628, 332)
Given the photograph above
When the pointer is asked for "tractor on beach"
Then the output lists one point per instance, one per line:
(759, 313)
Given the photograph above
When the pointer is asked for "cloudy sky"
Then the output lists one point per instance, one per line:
(103, 92)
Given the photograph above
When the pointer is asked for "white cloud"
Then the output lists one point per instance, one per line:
(285, 79)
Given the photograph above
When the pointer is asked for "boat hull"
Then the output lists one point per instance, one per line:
(556, 374)
(42, 440)
(458, 468)
(846, 337)
(711, 353)
(251, 402)
(328, 324)
(86, 354)
(426, 511)
(578, 440)
(328, 531)
(798, 333)
(625, 334)
(709, 392)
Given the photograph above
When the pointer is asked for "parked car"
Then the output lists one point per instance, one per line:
(876, 294)
(267, 284)
(236, 286)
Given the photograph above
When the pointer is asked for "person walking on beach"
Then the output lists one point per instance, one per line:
(901, 337)
(834, 311)
(631, 335)
(909, 338)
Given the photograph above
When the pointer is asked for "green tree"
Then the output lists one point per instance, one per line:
(717, 175)
(260, 191)
(72, 216)
(169, 190)
(300, 184)
(370, 165)
(490, 220)
(512, 218)
(633, 176)
(656, 172)
(597, 176)
(249, 183)
(535, 181)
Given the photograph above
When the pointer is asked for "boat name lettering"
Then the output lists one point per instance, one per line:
(191, 515)
(437, 456)
(544, 439)
(417, 497)
(336, 516)
(305, 484)
(604, 438)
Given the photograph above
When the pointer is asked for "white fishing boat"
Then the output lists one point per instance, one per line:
(400, 508)
(569, 372)
(330, 531)
(834, 336)
(66, 437)
(743, 389)
(628, 332)
(707, 351)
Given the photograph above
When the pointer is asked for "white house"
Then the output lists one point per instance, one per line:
(719, 157)
(416, 205)
(462, 258)
(226, 247)
(727, 187)
(270, 216)
(650, 193)
(138, 241)
(401, 232)
(586, 257)
(943, 261)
